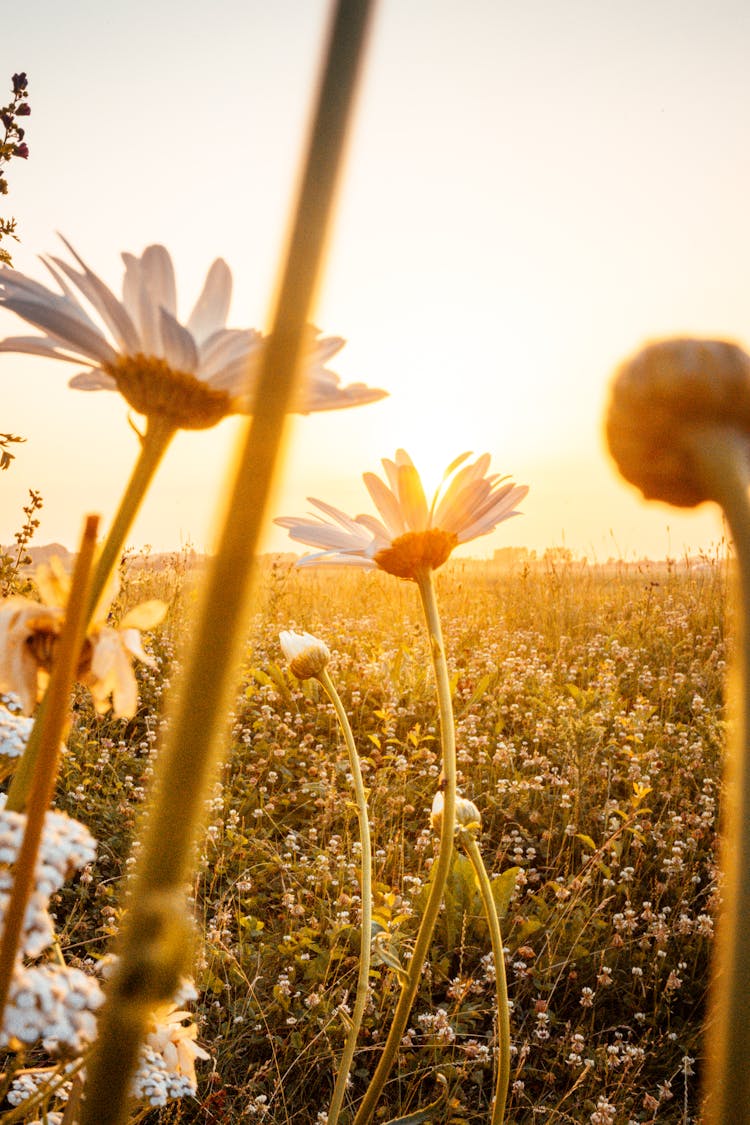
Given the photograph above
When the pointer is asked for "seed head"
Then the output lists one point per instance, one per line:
(660, 399)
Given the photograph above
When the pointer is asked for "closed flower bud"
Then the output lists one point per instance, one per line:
(467, 813)
(660, 400)
(307, 655)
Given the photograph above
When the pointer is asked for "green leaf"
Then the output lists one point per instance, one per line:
(502, 889)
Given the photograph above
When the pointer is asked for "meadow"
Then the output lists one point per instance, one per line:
(590, 727)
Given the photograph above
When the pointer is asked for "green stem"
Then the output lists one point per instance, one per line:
(363, 978)
(154, 444)
(442, 865)
(154, 941)
(52, 729)
(503, 1009)
(722, 458)
(153, 447)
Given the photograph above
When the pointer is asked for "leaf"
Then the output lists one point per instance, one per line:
(586, 840)
(502, 889)
(478, 692)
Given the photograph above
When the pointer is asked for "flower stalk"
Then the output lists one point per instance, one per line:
(363, 976)
(154, 444)
(154, 939)
(441, 868)
(470, 846)
(722, 459)
(52, 727)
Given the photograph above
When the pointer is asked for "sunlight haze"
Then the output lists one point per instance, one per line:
(532, 191)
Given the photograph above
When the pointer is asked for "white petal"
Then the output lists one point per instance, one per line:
(112, 312)
(157, 273)
(66, 328)
(93, 380)
(212, 307)
(386, 503)
(179, 347)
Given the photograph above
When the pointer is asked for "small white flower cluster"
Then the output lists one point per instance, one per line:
(66, 846)
(28, 1084)
(54, 1004)
(155, 1083)
(14, 734)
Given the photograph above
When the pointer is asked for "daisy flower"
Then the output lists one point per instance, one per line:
(192, 375)
(28, 639)
(410, 536)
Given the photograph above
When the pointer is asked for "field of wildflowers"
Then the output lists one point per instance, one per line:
(452, 866)
(589, 719)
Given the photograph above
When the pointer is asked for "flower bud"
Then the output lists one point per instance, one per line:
(307, 655)
(659, 401)
(467, 813)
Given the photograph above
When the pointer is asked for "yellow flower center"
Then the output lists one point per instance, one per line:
(151, 386)
(415, 551)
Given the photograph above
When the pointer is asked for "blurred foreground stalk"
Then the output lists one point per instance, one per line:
(678, 425)
(155, 940)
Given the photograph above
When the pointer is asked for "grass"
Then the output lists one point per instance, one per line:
(589, 705)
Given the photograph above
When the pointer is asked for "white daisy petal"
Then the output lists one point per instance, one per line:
(180, 351)
(212, 307)
(59, 324)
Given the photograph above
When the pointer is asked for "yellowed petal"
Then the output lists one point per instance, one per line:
(53, 582)
(147, 615)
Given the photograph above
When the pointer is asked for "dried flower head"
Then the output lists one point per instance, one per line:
(659, 401)
(307, 655)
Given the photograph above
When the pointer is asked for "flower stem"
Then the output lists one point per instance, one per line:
(503, 1013)
(153, 447)
(154, 941)
(154, 444)
(722, 458)
(52, 729)
(366, 927)
(442, 864)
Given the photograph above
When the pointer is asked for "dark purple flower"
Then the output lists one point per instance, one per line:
(22, 151)
(24, 109)
(7, 120)
(20, 82)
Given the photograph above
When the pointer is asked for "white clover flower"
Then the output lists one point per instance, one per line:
(52, 1004)
(410, 536)
(307, 655)
(190, 375)
(14, 734)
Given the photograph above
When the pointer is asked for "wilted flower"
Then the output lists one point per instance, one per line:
(174, 1039)
(411, 536)
(467, 813)
(28, 639)
(307, 655)
(191, 375)
(659, 398)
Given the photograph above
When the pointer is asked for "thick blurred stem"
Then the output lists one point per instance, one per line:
(363, 979)
(154, 940)
(154, 444)
(441, 868)
(501, 985)
(52, 731)
(722, 456)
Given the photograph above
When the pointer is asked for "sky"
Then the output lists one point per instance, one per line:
(532, 191)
